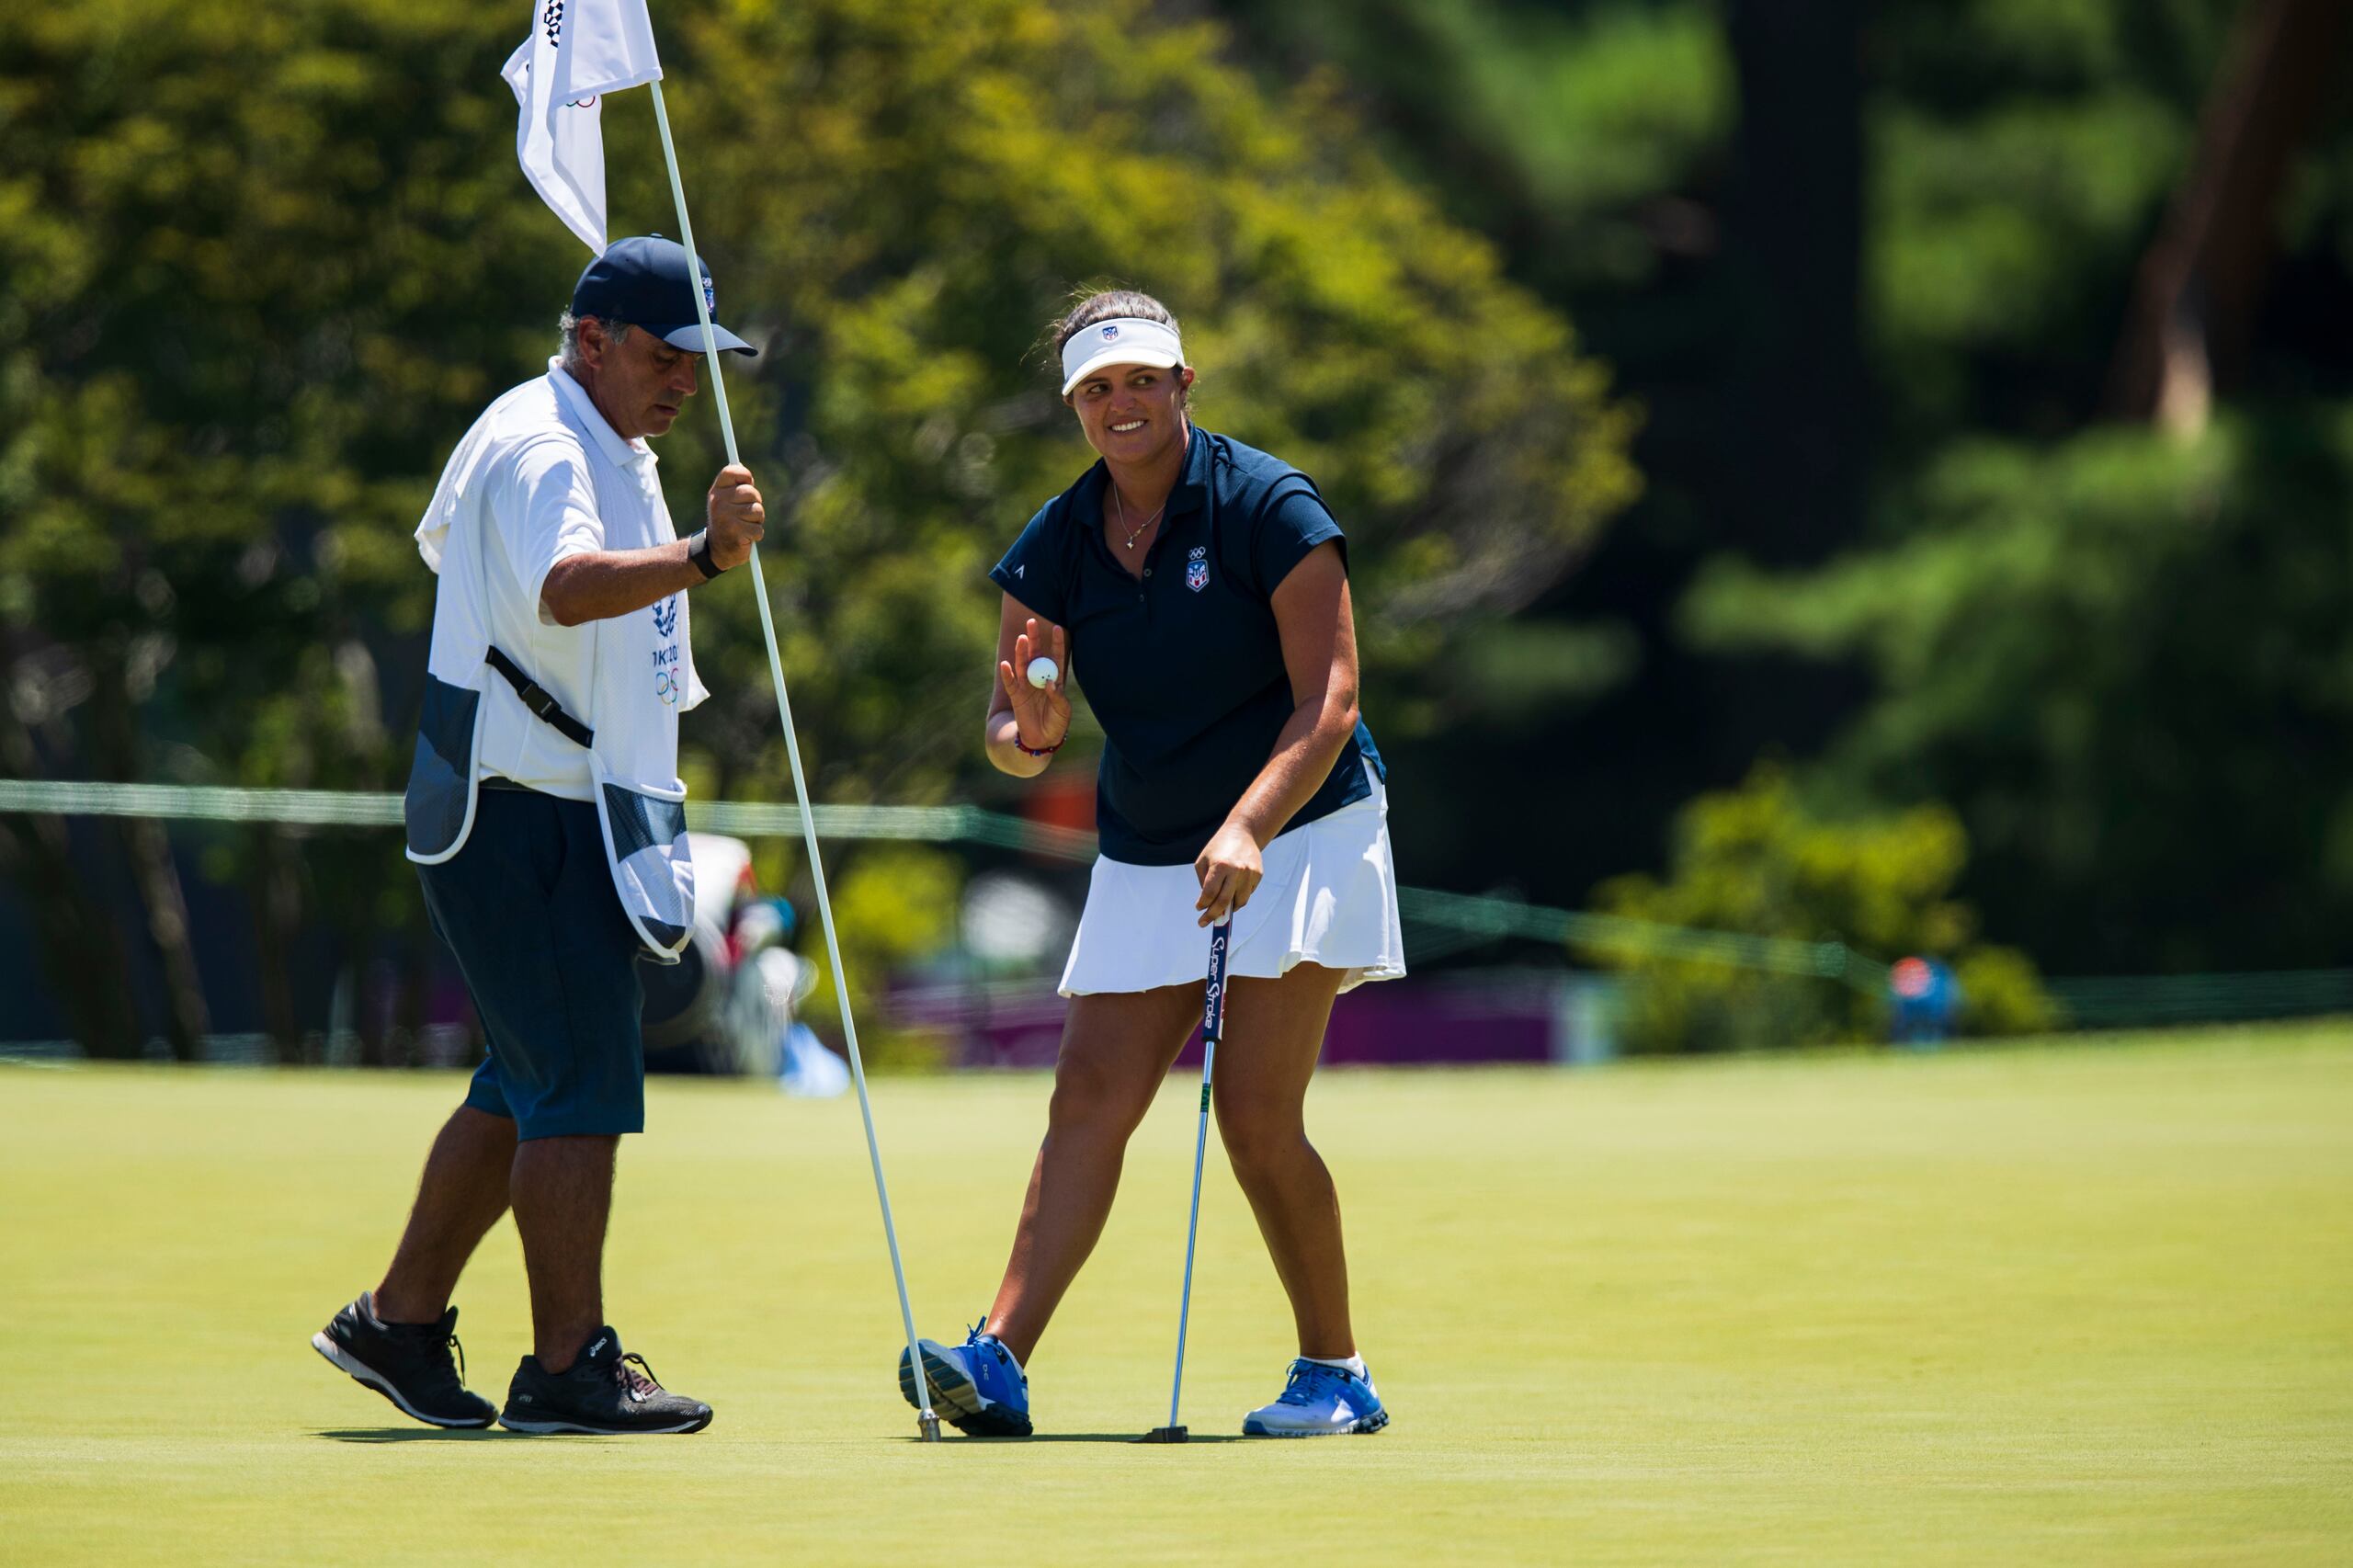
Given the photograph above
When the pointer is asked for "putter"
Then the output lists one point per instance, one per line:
(1213, 1025)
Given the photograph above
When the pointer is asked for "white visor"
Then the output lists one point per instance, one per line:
(1128, 340)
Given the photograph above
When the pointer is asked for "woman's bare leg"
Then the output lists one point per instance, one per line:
(1117, 1048)
(1275, 1031)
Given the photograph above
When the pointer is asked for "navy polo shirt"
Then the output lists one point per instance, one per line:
(1184, 667)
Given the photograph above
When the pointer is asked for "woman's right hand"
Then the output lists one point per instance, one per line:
(1041, 712)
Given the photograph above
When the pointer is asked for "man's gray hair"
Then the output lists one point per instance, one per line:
(569, 325)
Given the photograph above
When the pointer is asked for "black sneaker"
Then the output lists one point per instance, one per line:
(604, 1391)
(408, 1363)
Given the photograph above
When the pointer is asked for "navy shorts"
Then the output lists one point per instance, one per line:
(528, 908)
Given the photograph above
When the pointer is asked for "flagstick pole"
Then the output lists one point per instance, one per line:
(927, 1422)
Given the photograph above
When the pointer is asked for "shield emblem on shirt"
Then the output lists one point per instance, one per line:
(1197, 575)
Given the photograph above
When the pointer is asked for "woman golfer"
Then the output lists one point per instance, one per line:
(1199, 590)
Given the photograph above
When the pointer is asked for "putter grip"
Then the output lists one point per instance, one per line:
(1213, 1005)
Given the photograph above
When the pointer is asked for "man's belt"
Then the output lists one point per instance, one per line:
(539, 700)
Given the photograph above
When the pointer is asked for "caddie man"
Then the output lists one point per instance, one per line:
(546, 817)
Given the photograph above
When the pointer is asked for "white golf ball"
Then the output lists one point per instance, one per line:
(1042, 671)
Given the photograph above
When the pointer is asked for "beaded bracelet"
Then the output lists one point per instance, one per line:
(1028, 751)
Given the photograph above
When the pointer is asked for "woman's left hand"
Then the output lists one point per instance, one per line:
(1230, 871)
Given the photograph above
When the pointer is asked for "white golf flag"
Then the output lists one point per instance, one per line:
(578, 50)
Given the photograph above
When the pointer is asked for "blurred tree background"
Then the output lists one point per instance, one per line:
(259, 274)
(1958, 408)
(1997, 363)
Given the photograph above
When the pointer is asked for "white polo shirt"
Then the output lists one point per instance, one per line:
(554, 475)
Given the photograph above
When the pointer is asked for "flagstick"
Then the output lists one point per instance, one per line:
(927, 1421)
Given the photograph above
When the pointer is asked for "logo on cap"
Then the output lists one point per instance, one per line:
(710, 295)
(1110, 332)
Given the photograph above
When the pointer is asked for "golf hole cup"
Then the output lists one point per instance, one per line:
(1042, 671)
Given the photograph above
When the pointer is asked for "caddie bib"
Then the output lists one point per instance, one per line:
(641, 676)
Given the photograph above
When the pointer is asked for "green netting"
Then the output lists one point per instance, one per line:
(1470, 918)
(2135, 1000)
(2099, 1002)
(331, 807)
(1615, 933)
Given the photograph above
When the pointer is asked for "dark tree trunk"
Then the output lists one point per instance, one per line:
(370, 1010)
(80, 950)
(2194, 304)
(148, 848)
(275, 892)
(410, 999)
(81, 953)
(1793, 438)
(186, 1018)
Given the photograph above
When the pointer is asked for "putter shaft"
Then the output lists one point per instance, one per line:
(1212, 1026)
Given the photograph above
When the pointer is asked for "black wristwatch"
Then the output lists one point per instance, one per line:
(698, 551)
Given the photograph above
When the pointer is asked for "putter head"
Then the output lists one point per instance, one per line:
(929, 1425)
(1163, 1434)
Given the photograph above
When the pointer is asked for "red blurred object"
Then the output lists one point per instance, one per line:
(1911, 978)
(1064, 801)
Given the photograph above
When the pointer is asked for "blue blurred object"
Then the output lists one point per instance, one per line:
(1927, 998)
(806, 1068)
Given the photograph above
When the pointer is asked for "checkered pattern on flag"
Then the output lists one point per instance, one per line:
(578, 52)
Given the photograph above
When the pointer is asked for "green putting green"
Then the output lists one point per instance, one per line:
(2089, 1303)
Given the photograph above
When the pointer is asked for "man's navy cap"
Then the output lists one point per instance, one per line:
(643, 282)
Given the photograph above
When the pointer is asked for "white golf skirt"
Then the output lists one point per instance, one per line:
(1329, 897)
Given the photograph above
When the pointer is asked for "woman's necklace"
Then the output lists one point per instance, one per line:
(1137, 532)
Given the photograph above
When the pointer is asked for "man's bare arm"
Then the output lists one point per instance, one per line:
(600, 584)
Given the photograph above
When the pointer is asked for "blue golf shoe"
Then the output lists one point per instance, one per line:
(1319, 1402)
(977, 1387)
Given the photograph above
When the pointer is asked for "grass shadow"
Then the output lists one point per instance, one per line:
(1091, 1438)
(414, 1434)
